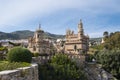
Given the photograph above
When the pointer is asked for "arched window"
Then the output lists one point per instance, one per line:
(75, 47)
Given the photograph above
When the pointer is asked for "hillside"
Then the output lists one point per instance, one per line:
(25, 34)
(4, 35)
(96, 39)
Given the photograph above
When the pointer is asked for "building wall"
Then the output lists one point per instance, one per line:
(25, 73)
(71, 47)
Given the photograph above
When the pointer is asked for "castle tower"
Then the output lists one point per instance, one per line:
(80, 30)
(37, 43)
(76, 43)
(39, 34)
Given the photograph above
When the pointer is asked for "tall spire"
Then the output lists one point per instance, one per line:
(81, 24)
(39, 26)
(80, 27)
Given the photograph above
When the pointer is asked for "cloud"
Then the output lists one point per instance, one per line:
(25, 8)
(67, 12)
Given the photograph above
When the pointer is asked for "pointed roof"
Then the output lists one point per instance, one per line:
(39, 29)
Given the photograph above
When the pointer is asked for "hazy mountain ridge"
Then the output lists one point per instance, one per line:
(25, 34)
(96, 39)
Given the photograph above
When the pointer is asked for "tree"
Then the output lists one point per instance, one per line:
(110, 60)
(111, 34)
(109, 55)
(61, 68)
(105, 34)
(113, 42)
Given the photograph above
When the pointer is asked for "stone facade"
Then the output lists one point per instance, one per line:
(37, 43)
(76, 43)
(25, 73)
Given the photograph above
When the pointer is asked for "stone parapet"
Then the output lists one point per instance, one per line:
(24, 73)
(41, 59)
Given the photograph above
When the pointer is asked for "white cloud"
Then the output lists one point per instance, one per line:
(14, 12)
(96, 34)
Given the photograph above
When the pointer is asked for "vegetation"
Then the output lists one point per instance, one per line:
(4, 65)
(110, 61)
(106, 34)
(3, 48)
(89, 57)
(36, 54)
(19, 54)
(61, 68)
(3, 52)
(108, 53)
(97, 47)
(112, 41)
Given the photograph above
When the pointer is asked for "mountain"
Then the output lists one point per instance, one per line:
(54, 36)
(96, 39)
(25, 34)
(4, 35)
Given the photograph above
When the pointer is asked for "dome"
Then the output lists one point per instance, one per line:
(39, 30)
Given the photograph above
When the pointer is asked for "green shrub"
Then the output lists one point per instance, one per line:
(3, 48)
(19, 54)
(4, 65)
(36, 54)
(90, 58)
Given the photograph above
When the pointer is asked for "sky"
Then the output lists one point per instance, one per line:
(55, 16)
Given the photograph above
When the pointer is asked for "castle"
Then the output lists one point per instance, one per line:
(76, 43)
(37, 43)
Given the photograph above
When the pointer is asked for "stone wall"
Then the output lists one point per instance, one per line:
(41, 59)
(25, 73)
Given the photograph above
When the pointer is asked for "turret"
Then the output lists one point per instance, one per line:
(39, 34)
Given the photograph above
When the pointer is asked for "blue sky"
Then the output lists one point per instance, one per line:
(55, 16)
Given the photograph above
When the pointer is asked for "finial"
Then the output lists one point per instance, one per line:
(80, 20)
(39, 26)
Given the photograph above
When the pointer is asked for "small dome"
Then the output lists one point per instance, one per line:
(39, 30)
